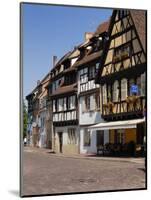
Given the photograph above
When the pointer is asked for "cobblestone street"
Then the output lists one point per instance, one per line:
(46, 173)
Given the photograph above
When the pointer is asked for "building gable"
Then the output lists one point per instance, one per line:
(125, 48)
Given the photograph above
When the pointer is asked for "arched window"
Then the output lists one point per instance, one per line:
(115, 91)
(104, 95)
(123, 89)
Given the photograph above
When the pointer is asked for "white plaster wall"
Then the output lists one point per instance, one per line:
(42, 139)
(93, 145)
(92, 117)
(88, 149)
(64, 130)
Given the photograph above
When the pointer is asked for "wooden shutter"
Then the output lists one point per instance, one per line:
(123, 89)
(115, 91)
(104, 91)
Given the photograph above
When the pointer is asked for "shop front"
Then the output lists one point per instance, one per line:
(126, 138)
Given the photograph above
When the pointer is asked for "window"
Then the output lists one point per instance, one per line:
(60, 102)
(87, 138)
(123, 89)
(72, 139)
(64, 104)
(138, 82)
(121, 52)
(71, 102)
(87, 102)
(119, 136)
(83, 78)
(104, 94)
(97, 101)
(56, 105)
(143, 88)
(109, 94)
(97, 68)
(100, 138)
(122, 13)
(131, 82)
(115, 91)
(92, 72)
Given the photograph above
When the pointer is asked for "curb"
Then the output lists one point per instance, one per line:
(142, 161)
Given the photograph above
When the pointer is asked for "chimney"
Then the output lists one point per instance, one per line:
(54, 61)
(88, 36)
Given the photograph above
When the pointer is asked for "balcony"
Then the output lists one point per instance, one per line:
(132, 107)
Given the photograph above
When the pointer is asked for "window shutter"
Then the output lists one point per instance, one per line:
(92, 102)
(54, 106)
(123, 89)
(104, 94)
(115, 91)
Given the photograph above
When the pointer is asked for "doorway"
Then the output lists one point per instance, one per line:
(60, 135)
(100, 138)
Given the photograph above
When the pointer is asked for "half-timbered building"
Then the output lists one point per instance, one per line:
(122, 75)
(62, 92)
(88, 92)
(39, 120)
(33, 116)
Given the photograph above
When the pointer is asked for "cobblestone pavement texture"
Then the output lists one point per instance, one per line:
(46, 173)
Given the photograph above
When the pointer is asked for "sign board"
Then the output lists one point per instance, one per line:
(134, 89)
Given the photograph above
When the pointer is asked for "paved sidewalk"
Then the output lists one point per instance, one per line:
(140, 160)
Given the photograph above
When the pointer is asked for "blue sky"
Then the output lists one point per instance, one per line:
(53, 30)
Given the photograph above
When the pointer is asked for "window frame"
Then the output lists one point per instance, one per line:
(87, 141)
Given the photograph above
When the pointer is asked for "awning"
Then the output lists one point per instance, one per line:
(117, 124)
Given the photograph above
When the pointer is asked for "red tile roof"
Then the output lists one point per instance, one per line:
(139, 18)
(102, 27)
(65, 89)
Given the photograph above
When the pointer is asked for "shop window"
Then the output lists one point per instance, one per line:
(119, 136)
(100, 138)
(72, 139)
(87, 138)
